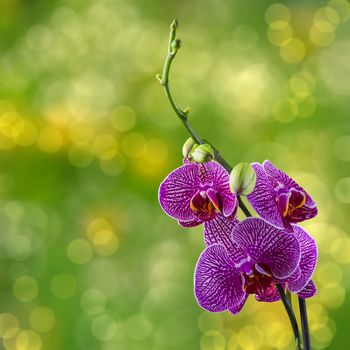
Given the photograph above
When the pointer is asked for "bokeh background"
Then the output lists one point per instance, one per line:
(87, 258)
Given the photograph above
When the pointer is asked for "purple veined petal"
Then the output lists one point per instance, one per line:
(308, 259)
(308, 291)
(236, 309)
(191, 223)
(293, 277)
(269, 245)
(176, 191)
(217, 282)
(288, 182)
(263, 198)
(220, 231)
(221, 183)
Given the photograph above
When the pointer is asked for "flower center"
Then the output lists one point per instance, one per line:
(205, 204)
(258, 281)
(289, 201)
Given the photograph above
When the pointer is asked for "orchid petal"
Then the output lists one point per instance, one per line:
(308, 291)
(308, 260)
(268, 245)
(263, 196)
(176, 191)
(217, 282)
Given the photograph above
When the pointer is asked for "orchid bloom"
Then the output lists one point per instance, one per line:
(279, 199)
(255, 258)
(196, 193)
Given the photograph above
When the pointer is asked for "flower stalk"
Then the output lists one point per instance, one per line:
(173, 47)
(288, 306)
(304, 324)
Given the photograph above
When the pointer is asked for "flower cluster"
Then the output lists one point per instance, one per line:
(248, 257)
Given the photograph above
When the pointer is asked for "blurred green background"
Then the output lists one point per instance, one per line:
(88, 259)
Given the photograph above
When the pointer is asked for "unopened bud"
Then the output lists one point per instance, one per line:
(175, 45)
(188, 147)
(242, 179)
(202, 153)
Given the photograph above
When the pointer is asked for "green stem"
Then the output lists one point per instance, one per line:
(288, 306)
(304, 324)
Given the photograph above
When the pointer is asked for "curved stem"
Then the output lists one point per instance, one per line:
(173, 47)
(288, 306)
(304, 323)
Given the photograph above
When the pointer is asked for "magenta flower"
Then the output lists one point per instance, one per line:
(279, 199)
(253, 261)
(196, 193)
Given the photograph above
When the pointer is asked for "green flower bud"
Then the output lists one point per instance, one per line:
(175, 45)
(202, 153)
(242, 179)
(188, 147)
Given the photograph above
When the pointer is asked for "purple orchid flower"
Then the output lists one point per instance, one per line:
(279, 199)
(196, 193)
(255, 258)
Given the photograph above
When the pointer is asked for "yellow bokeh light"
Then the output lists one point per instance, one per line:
(25, 288)
(299, 86)
(285, 110)
(105, 146)
(327, 14)
(113, 166)
(24, 132)
(63, 286)
(81, 132)
(332, 296)
(341, 148)
(79, 251)
(329, 274)
(28, 340)
(306, 107)
(277, 11)
(49, 140)
(123, 118)
(342, 7)
(104, 327)
(278, 335)
(342, 190)
(9, 326)
(80, 155)
(156, 152)
(250, 337)
(134, 145)
(93, 301)
(322, 33)
(42, 319)
(279, 33)
(293, 51)
(97, 225)
(109, 247)
(340, 249)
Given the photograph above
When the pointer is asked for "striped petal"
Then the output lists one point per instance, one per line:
(308, 259)
(308, 291)
(217, 282)
(263, 198)
(176, 191)
(266, 244)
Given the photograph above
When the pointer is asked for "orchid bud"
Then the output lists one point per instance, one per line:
(175, 45)
(202, 153)
(188, 147)
(242, 179)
